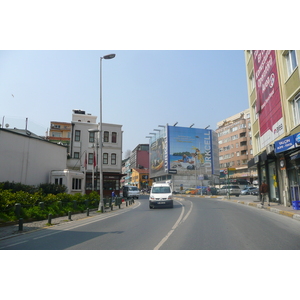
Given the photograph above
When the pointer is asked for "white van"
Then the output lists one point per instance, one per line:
(161, 195)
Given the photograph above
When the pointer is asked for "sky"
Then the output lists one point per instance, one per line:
(141, 88)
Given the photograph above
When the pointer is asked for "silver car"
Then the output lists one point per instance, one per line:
(231, 189)
(248, 190)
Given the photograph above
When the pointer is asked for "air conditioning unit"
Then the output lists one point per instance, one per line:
(270, 148)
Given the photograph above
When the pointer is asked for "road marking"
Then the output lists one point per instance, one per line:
(13, 244)
(171, 231)
(187, 215)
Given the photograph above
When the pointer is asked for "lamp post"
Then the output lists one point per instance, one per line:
(101, 203)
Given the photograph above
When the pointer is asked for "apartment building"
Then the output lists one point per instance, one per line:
(273, 79)
(139, 159)
(84, 150)
(235, 147)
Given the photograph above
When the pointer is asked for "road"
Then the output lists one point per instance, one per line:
(193, 224)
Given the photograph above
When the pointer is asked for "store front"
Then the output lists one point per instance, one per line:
(288, 151)
(111, 182)
(266, 169)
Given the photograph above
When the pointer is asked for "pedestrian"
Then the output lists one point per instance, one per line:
(208, 191)
(113, 195)
(264, 190)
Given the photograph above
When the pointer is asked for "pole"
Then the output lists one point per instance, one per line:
(100, 143)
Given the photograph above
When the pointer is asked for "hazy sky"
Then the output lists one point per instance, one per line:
(141, 89)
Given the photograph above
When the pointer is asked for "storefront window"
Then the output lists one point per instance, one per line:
(274, 196)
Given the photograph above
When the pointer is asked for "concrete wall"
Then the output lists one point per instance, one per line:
(28, 160)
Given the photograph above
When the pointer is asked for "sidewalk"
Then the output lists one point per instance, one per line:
(13, 230)
(254, 202)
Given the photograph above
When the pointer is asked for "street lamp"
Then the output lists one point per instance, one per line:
(101, 203)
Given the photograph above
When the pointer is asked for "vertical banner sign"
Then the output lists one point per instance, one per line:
(268, 103)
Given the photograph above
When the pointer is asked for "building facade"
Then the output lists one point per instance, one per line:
(27, 158)
(140, 179)
(84, 151)
(273, 79)
(235, 148)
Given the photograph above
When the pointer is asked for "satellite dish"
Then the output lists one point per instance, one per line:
(6, 125)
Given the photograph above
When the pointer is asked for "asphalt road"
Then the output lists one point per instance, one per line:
(193, 224)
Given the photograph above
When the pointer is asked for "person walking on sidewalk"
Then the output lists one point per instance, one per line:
(264, 190)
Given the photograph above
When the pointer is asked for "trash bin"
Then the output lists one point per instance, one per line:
(296, 205)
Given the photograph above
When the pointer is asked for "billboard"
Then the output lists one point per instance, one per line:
(268, 102)
(192, 149)
(157, 151)
(184, 151)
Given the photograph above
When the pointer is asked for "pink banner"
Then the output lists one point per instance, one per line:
(268, 102)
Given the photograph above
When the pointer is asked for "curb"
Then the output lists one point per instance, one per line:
(289, 214)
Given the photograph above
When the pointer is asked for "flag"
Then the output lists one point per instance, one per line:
(85, 160)
(95, 162)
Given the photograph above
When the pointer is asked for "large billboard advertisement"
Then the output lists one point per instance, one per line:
(184, 151)
(268, 102)
(192, 150)
(158, 149)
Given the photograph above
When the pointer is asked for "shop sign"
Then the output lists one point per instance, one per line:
(287, 143)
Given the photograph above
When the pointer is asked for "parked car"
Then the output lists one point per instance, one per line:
(231, 189)
(213, 191)
(248, 190)
(255, 192)
(188, 191)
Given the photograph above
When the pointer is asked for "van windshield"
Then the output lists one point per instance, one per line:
(161, 189)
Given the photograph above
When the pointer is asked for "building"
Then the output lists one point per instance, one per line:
(273, 79)
(126, 170)
(140, 178)
(139, 157)
(235, 148)
(186, 157)
(60, 132)
(84, 149)
(28, 159)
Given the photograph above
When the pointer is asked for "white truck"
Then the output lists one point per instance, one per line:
(161, 195)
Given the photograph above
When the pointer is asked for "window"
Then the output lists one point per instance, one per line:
(252, 82)
(296, 109)
(291, 61)
(92, 137)
(58, 181)
(106, 136)
(105, 158)
(91, 158)
(77, 135)
(76, 155)
(255, 115)
(113, 159)
(114, 137)
(56, 134)
(76, 184)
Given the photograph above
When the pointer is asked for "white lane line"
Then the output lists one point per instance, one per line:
(171, 231)
(11, 245)
(187, 215)
(87, 223)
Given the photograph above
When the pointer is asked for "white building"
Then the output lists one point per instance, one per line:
(84, 148)
(28, 159)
